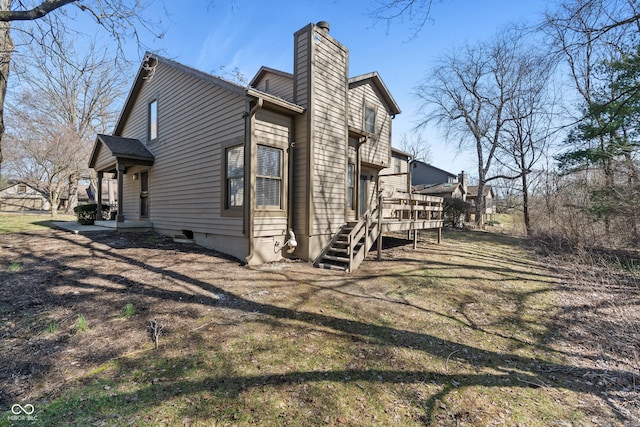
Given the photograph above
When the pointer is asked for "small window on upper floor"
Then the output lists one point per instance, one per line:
(397, 165)
(153, 120)
(369, 119)
(22, 188)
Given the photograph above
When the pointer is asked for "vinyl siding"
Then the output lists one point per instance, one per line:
(377, 150)
(279, 86)
(395, 183)
(301, 171)
(274, 130)
(103, 158)
(195, 120)
(329, 137)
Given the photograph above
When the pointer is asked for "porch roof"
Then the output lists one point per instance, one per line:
(120, 150)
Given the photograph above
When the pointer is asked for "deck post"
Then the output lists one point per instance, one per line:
(99, 192)
(121, 171)
(380, 210)
(439, 235)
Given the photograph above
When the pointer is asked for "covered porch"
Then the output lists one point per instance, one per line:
(115, 155)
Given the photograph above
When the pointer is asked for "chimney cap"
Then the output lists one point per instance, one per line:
(323, 25)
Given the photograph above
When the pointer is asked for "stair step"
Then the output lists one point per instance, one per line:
(340, 250)
(329, 266)
(336, 258)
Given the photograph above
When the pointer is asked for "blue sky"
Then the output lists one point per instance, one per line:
(246, 34)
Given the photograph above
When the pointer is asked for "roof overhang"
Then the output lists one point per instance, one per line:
(275, 102)
(376, 80)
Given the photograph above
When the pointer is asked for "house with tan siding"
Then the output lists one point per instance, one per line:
(279, 168)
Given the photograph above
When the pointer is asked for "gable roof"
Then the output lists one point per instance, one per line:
(446, 188)
(375, 78)
(268, 70)
(148, 67)
(433, 167)
(473, 190)
(122, 149)
(40, 187)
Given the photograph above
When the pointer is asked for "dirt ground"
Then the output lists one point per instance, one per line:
(50, 278)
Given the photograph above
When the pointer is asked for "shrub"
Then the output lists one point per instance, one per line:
(87, 214)
(455, 210)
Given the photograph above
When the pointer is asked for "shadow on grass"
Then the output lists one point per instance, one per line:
(507, 369)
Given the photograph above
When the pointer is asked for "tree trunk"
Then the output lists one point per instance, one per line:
(525, 204)
(72, 202)
(480, 204)
(6, 49)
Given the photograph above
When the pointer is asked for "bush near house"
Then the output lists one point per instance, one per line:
(455, 210)
(87, 214)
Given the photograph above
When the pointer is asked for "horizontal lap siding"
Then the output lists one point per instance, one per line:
(301, 151)
(395, 183)
(280, 86)
(104, 158)
(185, 183)
(329, 134)
(273, 129)
(376, 150)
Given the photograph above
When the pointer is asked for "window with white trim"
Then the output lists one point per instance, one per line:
(153, 120)
(235, 177)
(269, 177)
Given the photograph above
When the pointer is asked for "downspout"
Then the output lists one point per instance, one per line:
(249, 176)
(291, 190)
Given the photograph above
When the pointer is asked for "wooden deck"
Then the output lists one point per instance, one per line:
(394, 212)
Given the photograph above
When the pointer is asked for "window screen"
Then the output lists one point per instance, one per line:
(269, 176)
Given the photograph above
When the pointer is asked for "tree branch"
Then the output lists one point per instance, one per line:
(37, 12)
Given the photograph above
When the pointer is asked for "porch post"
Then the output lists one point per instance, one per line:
(99, 190)
(121, 170)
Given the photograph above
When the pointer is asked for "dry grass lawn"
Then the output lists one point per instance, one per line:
(477, 331)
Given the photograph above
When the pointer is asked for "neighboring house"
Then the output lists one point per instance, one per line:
(423, 173)
(454, 190)
(489, 201)
(286, 167)
(23, 196)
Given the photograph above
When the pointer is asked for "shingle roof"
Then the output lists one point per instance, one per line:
(126, 147)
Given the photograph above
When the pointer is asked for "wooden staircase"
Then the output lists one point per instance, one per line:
(350, 246)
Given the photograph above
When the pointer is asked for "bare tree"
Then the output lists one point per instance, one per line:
(44, 154)
(469, 94)
(416, 146)
(527, 132)
(120, 19)
(584, 34)
(76, 95)
(416, 12)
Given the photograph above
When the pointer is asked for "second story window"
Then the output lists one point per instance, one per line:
(369, 119)
(22, 188)
(397, 165)
(153, 120)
